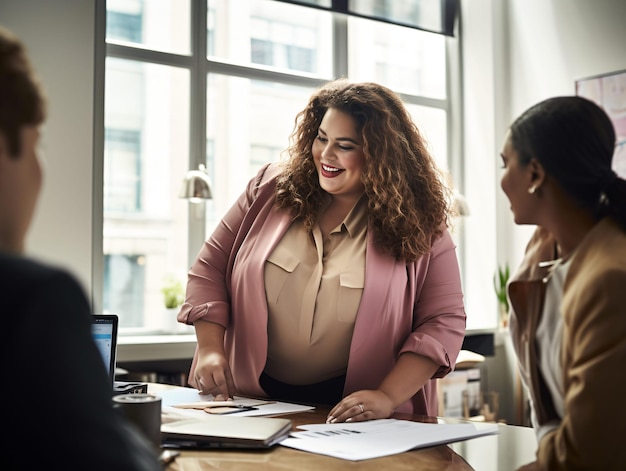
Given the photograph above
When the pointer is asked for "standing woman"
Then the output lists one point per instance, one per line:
(568, 297)
(333, 279)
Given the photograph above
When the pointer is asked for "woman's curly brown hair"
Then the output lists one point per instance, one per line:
(408, 201)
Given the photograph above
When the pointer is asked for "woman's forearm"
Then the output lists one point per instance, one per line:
(209, 335)
(408, 376)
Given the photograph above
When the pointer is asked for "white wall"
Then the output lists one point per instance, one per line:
(479, 86)
(516, 53)
(59, 36)
(554, 43)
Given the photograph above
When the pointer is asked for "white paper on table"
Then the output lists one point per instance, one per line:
(172, 397)
(375, 438)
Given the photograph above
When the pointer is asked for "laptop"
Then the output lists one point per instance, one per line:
(218, 431)
(104, 331)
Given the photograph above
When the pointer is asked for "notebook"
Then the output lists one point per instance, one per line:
(223, 431)
(104, 331)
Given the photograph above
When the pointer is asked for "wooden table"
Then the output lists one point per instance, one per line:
(512, 447)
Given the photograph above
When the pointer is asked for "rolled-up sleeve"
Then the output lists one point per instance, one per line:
(439, 315)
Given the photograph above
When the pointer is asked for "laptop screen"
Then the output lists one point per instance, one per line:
(104, 331)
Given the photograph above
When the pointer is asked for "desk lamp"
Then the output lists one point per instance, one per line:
(196, 186)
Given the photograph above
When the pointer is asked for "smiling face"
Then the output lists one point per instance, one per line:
(516, 181)
(338, 155)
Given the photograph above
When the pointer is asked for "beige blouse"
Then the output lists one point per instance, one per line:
(313, 290)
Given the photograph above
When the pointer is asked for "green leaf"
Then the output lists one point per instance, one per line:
(500, 280)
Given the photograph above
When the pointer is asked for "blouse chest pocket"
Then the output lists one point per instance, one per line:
(349, 295)
(280, 265)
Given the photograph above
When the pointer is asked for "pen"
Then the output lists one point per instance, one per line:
(232, 409)
(204, 404)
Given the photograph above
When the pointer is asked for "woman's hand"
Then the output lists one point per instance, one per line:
(407, 377)
(360, 406)
(212, 374)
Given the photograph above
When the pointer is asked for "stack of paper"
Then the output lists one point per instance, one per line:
(376, 438)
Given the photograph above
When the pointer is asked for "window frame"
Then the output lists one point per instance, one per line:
(200, 66)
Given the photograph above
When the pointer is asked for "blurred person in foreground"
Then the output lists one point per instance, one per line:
(57, 392)
(334, 279)
(568, 297)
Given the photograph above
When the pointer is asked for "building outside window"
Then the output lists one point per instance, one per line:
(220, 82)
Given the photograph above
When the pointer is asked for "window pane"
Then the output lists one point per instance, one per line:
(161, 25)
(123, 189)
(273, 34)
(242, 141)
(406, 60)
(146, 157)
(425, 14)
(432, 123)
(124, 278)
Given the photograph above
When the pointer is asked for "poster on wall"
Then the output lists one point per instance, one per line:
(609, 92)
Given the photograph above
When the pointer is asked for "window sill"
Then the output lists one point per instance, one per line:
(182, 346)
(131, 348)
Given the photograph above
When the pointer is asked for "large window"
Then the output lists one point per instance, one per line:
(219, 82)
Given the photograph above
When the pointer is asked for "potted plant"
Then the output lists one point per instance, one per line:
(173, 296)
(500, 280)
(173, 293)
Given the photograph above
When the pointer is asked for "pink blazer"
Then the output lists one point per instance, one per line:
(405, 307)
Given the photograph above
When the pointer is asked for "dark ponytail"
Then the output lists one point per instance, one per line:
(574, 140)
(612, 200)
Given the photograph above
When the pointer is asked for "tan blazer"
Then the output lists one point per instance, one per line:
(591, 434)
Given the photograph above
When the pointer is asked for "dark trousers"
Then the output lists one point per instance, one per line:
(327, 392)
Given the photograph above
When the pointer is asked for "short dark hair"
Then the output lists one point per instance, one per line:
(22, 101)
